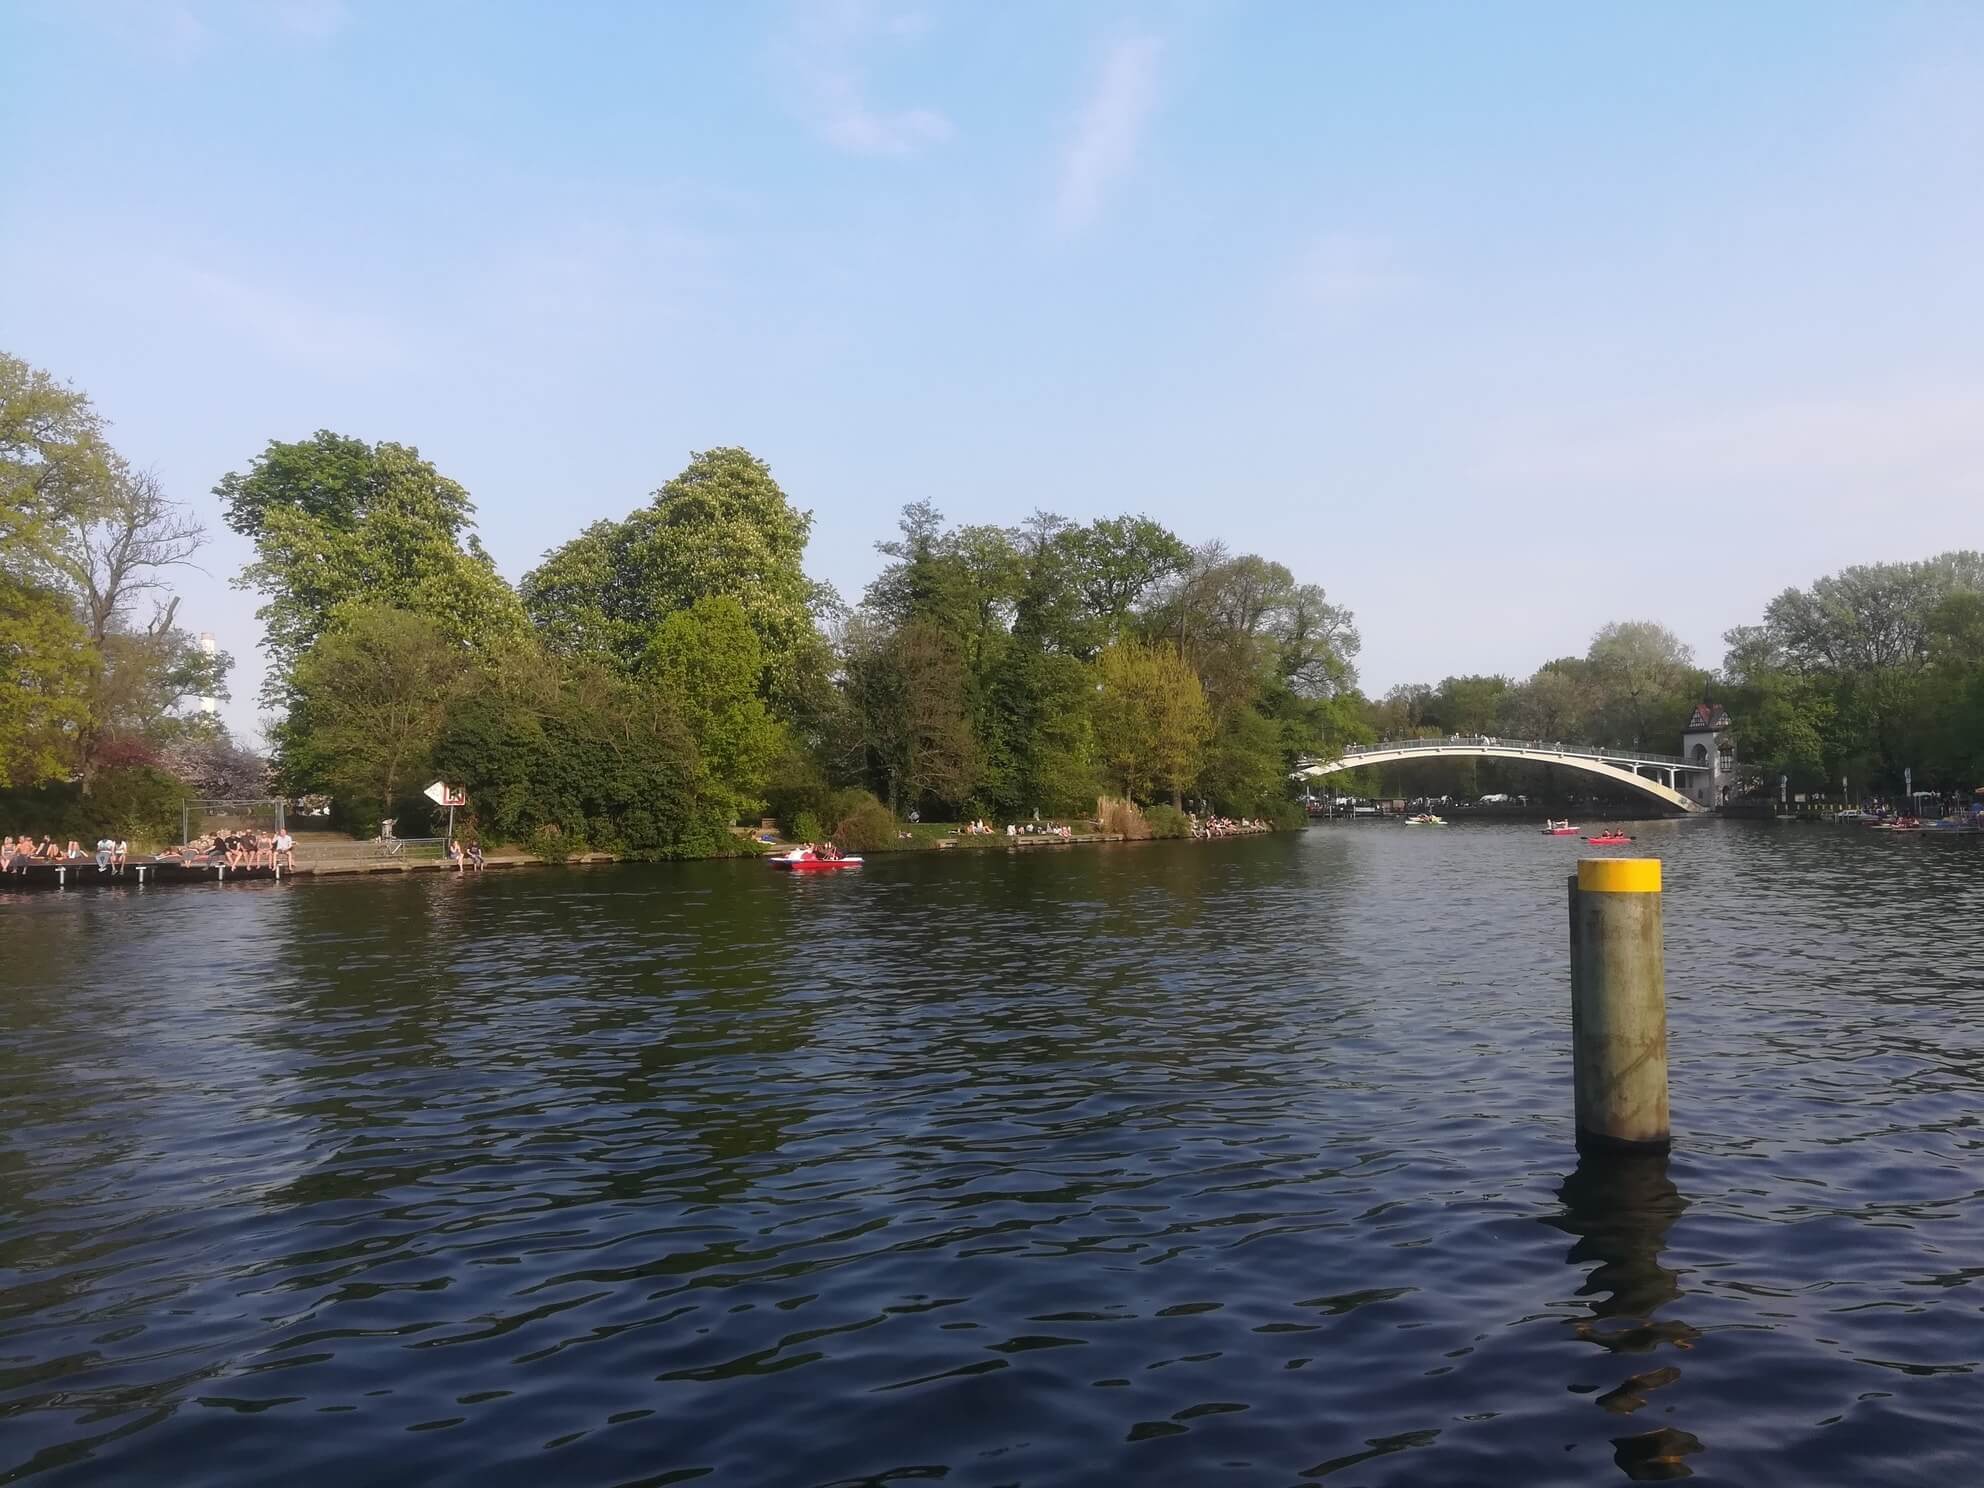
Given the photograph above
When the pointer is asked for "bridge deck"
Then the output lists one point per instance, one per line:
(1473, 743)
(1624, 765)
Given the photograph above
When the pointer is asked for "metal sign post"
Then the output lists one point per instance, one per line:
(450, 796)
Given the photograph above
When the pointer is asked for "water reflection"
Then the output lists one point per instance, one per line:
(1179, 1163)
(1619, 1209)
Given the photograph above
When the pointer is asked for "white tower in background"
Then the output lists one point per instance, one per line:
(209, 705)
(1708, 742)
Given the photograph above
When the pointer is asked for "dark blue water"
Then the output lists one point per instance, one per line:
(1245, 1162)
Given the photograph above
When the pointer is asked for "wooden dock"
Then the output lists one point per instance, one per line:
(84, 873)
(147, 872)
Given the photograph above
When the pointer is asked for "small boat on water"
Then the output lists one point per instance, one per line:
(1559, 829)
(1609, 839)
(805, 860)
(1425, 819)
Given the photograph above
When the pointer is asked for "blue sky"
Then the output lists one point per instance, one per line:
(1499, 321)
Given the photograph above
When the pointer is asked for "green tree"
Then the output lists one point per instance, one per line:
(1868, 659)
(1042, 727)
(368, 701)
(941, 763)
(576, 755)
(1955, 689)
(1555, 704)
(721, 527)
(114, 555)
(54, 462)
(1152, 721)
(46, 664)
(1645, 673)
(1244, 622)
(1468, 705)
(708, 661)
(910, 692)
(1401, 713)
(1118, 563)
(1246, 765)
(337, 522)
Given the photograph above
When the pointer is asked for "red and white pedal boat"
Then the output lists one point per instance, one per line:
(805, 860)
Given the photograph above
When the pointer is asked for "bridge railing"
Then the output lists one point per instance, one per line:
(1531, 746)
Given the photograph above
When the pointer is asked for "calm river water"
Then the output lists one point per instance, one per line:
(1238, 1163)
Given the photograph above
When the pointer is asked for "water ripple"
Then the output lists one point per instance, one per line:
(1244, 1163)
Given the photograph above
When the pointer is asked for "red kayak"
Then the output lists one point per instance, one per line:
(1610, 839)
(802, 861)
(1559, 829)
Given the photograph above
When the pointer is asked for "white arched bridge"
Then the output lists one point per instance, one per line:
(1657, 775)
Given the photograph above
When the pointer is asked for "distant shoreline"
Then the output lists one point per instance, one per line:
(154, 872)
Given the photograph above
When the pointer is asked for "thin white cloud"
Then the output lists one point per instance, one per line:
(1104, 145)
(828, 58)
(1339, 270)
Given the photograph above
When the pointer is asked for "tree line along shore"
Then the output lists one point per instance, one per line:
(663, 677)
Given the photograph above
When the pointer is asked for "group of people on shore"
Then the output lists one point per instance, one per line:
(465, 856)
(238, 850)
(1226, 826)
(17, 852)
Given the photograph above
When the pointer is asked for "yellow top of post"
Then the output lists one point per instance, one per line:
(1619, 875)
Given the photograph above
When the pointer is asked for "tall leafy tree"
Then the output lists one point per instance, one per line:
(367, 704)
(1042, 734)
(940, 763)
(115, 556)
(54, 462)
(337, 522)
(1468, 705)
(1241, 621)
(1555, 703)
(1857, 673)
(46, 666)
(1646, 672)
(1152, 721)
(721, 527)
(911, 695)
(1119, 563)
(78, 523)
(707, 661)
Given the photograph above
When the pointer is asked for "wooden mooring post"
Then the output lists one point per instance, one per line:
(1618, 1005)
